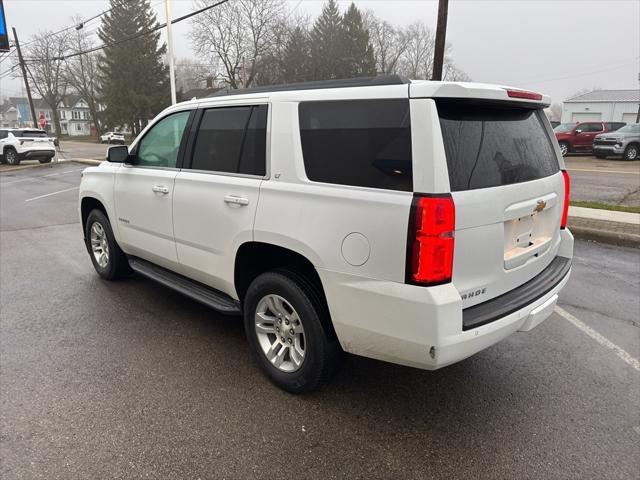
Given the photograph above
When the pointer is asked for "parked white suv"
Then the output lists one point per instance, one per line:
(17, 144)
(412, 222)
(112, 137)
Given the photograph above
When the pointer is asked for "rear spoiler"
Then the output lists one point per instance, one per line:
(477, 91)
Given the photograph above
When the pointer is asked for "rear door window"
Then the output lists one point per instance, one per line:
(489, 146)
(365, 143)
(232, 140)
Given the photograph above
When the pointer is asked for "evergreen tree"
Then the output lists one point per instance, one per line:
(297, 57)
(134, 84)
(359, 60)
(326, 44)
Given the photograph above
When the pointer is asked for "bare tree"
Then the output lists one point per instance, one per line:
(190, 74)
(46, 70)
(82, 72)
(417, 59)
(237, 34)
(389, 43)
(452, 73)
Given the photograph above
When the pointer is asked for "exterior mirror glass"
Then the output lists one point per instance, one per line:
(118, 154)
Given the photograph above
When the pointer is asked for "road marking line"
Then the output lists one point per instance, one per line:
(53, 193)
(623, 354)
(40, 176)
(602, 171)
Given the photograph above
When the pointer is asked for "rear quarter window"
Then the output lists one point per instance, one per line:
(489, 146)
(364, 143)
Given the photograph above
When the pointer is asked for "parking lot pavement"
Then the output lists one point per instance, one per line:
(84, 150)
(131, 380)
(609, 181)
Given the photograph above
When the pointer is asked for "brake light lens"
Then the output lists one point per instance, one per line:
(430, 240)
(524, 94)
(567, 193)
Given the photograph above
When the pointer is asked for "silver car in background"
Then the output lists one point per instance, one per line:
(624, 142)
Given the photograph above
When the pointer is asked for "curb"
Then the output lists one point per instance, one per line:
(604, 233)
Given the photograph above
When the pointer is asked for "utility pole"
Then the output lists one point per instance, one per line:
(172, 71)
(24, 75)
(441, 35)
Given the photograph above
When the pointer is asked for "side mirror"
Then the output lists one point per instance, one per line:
(118, 154)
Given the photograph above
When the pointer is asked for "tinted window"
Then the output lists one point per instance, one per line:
(613, 126)
(252, 160)
(595, 127)
(160, 145)
(365, 143)
(232, 140)
(3, 134)
(29, 133)
(488, 146)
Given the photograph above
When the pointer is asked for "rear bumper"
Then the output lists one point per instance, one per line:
(608, 150)
(424, 327)
(36, 154)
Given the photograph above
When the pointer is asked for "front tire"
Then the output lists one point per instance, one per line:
(108, 259)
(45, 160)
(287, 329)
(631, 152)
(564, 148)
(11, 156)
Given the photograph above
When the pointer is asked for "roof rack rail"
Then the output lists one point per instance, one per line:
(316, 85)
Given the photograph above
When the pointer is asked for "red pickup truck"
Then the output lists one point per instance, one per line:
(578, 137)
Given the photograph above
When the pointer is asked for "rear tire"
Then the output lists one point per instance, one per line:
(564, 148)
(283, 312)
(11, 156)
(632, 152)
(108, 259)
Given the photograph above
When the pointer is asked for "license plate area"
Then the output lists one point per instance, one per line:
(525, 239)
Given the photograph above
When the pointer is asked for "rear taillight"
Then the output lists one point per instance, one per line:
(567, 192)
(430, 240)
(524, 94)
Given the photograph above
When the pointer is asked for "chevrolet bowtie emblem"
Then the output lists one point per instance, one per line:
(540, 206)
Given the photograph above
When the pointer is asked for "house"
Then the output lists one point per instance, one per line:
(602, 105)
(75, 118)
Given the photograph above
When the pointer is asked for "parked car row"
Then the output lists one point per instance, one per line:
(603, 139)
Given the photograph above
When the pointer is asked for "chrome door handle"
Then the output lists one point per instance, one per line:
(233, 200)
(160, 189)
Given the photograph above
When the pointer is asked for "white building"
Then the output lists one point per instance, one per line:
(603, 105)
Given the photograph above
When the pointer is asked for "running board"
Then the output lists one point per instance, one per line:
(190, 288)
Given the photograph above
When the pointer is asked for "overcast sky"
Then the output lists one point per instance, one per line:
(553, 46)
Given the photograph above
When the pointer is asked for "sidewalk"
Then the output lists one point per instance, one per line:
(605, 226)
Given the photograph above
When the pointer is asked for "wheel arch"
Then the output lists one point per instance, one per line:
(254, 258)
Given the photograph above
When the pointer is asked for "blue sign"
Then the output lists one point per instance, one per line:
(4, 36)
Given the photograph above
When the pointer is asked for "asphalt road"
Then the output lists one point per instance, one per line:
(131, 380)
(609, 181)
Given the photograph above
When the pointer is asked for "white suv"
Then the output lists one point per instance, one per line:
(412, 222)
(112, 137)
(17, 144)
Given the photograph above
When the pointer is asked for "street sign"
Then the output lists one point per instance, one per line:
(42, 121)
(4, 35)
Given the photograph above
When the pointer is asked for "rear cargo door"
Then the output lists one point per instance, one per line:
(505, 179)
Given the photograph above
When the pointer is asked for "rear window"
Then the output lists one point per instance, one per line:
(490, 146)
(365, 143)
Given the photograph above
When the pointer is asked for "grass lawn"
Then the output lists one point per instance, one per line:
(605, 206)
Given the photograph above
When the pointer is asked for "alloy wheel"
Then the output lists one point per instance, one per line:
(99, 245)
(280, 333)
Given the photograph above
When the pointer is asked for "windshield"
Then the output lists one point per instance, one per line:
(633, 128)
(564, 127)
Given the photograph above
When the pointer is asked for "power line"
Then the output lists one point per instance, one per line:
(140, 34)
(80, 24)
